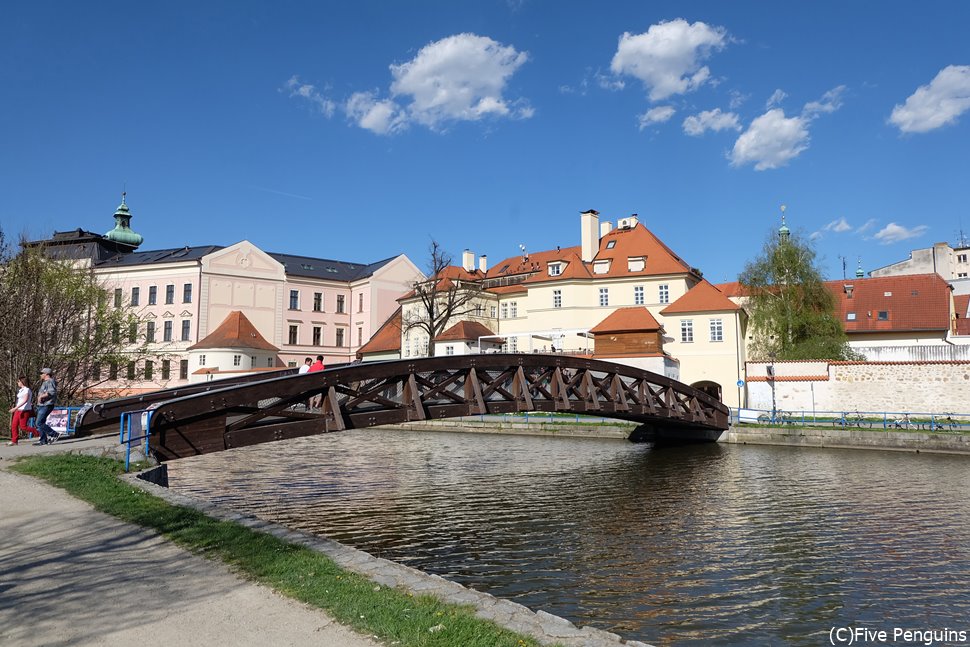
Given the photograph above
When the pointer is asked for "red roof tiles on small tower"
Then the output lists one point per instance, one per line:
(236, 331)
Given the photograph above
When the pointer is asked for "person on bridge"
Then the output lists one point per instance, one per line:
(21, 412)
(316, 367)
(46, 399)
(306, 366)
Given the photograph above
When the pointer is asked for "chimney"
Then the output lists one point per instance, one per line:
(605, 228)
(589, 224)
(483, 263)
(468, 261)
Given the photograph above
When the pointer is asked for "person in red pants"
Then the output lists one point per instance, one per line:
(21, 412)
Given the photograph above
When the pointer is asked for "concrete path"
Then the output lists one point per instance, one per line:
(70, 575)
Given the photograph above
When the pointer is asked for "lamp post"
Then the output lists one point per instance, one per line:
(771, 378)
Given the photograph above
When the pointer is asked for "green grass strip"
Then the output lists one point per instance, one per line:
(394, 616)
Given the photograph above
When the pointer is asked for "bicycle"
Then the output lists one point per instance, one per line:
(902, 423)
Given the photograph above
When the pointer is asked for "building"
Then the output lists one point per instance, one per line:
(620, 295)
(300, 306)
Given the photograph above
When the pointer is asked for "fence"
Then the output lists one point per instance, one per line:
(135, 427)
(889, 420)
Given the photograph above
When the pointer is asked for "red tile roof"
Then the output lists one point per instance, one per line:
(910, 302)
(635, 242)
(387, 338)
(236, 331)
(703, 297)
(465, 331)
(633, 319)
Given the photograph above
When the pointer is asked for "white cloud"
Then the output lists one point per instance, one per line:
(656, 115)
(775, 99)
(935, 105)
(309, 93)
(869, 224)
(381, 116)
(770, 141)
(715, 120)
(668, 57)
(737, 99)
(893, 233)
(459, 78)
(838, 226)
(773, 139)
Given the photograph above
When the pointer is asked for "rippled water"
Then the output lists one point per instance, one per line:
(703, 544)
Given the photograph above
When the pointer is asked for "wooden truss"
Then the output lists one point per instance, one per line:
(365, 395)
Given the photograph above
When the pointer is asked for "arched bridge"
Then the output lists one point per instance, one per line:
(364, 395)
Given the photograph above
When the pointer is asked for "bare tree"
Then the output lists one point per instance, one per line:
(58, 315)
(441, 298)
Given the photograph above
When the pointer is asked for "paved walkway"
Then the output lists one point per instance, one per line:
(70, 575)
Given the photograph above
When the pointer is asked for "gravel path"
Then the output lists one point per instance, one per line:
(70, 575)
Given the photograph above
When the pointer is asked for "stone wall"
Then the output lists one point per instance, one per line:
(930, 387)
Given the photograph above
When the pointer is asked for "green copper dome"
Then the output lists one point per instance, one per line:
(783, 232)
(122, 232)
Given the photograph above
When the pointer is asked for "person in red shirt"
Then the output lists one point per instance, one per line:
(316, 400)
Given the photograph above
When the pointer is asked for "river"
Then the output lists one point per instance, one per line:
(704, 544)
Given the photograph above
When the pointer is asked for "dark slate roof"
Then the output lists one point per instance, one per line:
(176, 255)
(323, 268)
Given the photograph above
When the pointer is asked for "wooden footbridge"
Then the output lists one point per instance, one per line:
(224, 414)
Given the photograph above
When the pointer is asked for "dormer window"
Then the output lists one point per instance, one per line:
(555, 269)
(611, 244)
(601, 267)
(636, 263)
(848, 290)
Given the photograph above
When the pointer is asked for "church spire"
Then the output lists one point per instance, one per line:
(122, 232)
(784, 233)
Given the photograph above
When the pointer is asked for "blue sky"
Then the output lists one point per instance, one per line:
(364, 129)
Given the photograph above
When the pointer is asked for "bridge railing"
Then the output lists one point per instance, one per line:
(135, 429)
(876, 420)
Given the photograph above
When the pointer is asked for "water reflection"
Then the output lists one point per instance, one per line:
(709, 544)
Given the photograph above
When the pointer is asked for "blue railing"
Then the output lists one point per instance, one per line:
(135, 427)
(61, 419)
(886, 420)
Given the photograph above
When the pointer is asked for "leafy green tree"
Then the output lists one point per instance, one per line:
(792, 313)
(56, 314)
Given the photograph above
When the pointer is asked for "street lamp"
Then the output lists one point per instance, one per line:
(771, 379)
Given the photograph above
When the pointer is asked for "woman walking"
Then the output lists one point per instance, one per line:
(21, 411)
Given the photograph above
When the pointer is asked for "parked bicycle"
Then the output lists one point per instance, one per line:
(852, 420)
(901, 422)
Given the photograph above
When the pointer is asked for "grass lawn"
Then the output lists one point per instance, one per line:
(395, 617)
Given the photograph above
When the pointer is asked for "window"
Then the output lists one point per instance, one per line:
(113, 371)
(169, 294)
(237, 360)
(360, 302)
(340, 304)
(252, 361)
(269, 362)
(131, 370)
(187, 293)
(117, 297)
(133, 332)
(360, 335)
(152, 295)
(318, 301)
(505, 311)
(663, 293)
(883, 315)
(291, 364)
(492, 312)
(717, 330)
(186, 330)
(638, 295)
(293, 334)
(294, 299)
(166, 369)
(135, 296)
(340, 337)
(449, 350)
(316, 335)
(167, 330)
(183, 369)
(961, 275)
(687, 330)
(514, 309)
(555, 269)
(636, 263)
(611, 244)
(514, 344)
(601, 267)
(150, 332)
(850, 316)
(557, 298)
(201, 360)
(149, 367)
(604, 296)
(961, 258)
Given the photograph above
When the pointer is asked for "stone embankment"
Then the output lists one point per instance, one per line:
(904, 441)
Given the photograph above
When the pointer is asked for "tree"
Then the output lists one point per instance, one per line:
(792, 313)
(57, 314)
(441, 297)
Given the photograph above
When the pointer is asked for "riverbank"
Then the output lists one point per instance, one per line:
(888, 440)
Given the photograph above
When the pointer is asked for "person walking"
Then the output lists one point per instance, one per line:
(21, 411)
(46, 399)
(317, 366)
